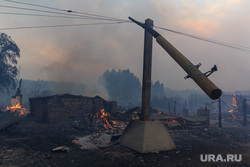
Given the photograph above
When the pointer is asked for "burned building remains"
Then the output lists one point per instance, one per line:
(60, 108)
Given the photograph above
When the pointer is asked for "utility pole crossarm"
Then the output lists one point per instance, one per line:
(147, 28)
(200, 78)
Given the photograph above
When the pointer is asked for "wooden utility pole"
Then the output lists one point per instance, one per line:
(146, 135)
(220, 124)
(244, 107)
(147, 67)
(174, 107)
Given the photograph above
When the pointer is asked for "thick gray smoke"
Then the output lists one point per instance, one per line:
(82, 54)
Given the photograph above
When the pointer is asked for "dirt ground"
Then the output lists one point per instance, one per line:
(30, 144)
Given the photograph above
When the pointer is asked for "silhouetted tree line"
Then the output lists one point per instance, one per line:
(122, 86)
(125, 88)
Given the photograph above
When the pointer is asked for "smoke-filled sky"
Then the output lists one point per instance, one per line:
(82, 53)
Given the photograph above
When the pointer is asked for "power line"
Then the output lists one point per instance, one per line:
(234, 46)
(83, 15)
(65, 14)
(65, 25)
(37, 5)
(68, 11)
(41, 15)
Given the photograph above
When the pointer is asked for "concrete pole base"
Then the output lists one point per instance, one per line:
(147, 137)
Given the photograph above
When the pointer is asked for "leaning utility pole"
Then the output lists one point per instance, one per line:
(201, 79)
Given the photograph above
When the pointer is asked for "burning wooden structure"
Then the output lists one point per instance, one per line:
(60, 108)
(16, 103)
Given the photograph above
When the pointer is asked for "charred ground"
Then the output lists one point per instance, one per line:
(31, 144)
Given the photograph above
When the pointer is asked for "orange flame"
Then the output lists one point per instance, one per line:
(18, 108)
(233, 115)
(171, 120)
(135, 117)
(106, 119)
(234, 101)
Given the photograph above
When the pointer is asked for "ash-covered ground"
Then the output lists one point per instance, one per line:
(33, 144)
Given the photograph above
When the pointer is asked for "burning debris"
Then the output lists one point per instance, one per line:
(100, 121)
(234, 101)
(135, 116)
(104, 130)
(236, 111)
(170, 123)
(234, 115)
(106, 121)
(17, 109)
(10, 117)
